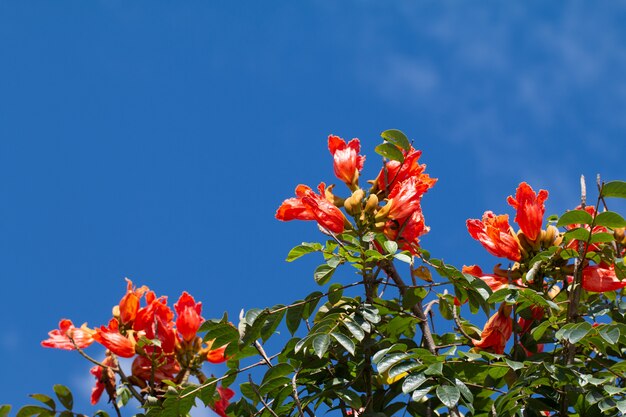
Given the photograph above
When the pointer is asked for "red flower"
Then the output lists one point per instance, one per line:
(497, 331)
(222, 404)
(410, 230)
(405, 198)
(495, 282)
(165, 368)
(530, 209)
(495, 234)
(105, 379)
(216, 355)
(600, 279)
(129, 304)
(395, 172)
(346, 159)
(110, 338)
(156, 321)
(310, 206)
(189, 318)
(60, 338)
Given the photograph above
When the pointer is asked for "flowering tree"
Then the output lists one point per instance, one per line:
(554, 342)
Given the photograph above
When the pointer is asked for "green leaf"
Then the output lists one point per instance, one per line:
(323, 273)
(390, 360)
(390, 151)
(420, 393)
(248, 391)
(45, 399)
(513, 364)
(294, 317)
(448, 394)
(64, 395)
(66, 413)
(413, 382)
(32, 410)
(391, 246)
(403, 257)
(601, 237)
(345, 342)
(610, 219)
(578, 234)
(575, 217)
(271, 323)
(320, 344)
(435, 369)
(354, 328)
(101, 413)
(5, 409)
(465, 391)
(277, 371)
(396, 137)
(302, 250)
(610, 334)
(335, 292)
(614, 189)
(351, 398)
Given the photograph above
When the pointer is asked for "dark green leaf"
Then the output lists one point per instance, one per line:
(320, 344)
(354, 328)
(249, 392)
(448, 394)
(390, 151)
(64, 395)
(351, 398)
(396, 137)
(45, 399)
(614, 189)
(271, 323)
(279, 370)
(390, 360)
(294, 317)
(274, 384)
(601, 237)
(610, 334)
(435, 369)
(513, 364)
(302, 250)
(413, 382)
(467, 394)
(101, 413)
(335, 292)
(345, 342)
(574, 217)
(66, 413)
(31, 410)
(578, 234)
(323, 273)
(5, 409)
(610, 219)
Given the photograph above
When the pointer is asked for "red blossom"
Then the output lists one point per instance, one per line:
(110, 338)
(530, 209)
(222, 404)
(216, 355)
(497, 331)
(129, 304)
(310, 206)
(163, 368)
(494, 282)
(347, 162)
(495, 234)
(409, 229)
(395, 172)
(405, 198)
(598, 278)
(105, 379)
(189, 319)
(60, 338)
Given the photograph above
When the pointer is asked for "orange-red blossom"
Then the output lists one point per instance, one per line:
(497, 331)
(347, 162)
(310, 206)
(60, 338)
(529, 209)
(495, 234)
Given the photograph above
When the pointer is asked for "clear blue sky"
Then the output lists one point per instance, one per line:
(155, 140)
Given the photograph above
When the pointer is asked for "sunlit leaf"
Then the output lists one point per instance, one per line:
(396, 137)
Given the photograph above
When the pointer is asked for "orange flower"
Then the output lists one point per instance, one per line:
(395, 172)
(222, 404)
(405, 198)
(530, 209)
(105, 379)
(600, 279)
(409, 229)
(495, 234)
(110, 338)
(189, 319)
(495, 282)
(129, 304)
(346, 159)
(60, 338)
(163, 368)
(216, 355)
(497, 331)
(310, 206)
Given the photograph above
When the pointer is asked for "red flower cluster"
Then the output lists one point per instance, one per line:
(160, 345)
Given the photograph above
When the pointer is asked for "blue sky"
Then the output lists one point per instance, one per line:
(155, 140)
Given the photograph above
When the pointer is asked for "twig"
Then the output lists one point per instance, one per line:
(265, 405)
(296, 399)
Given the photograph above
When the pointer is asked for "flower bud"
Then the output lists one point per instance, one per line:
(328, 194)
(372, 203)
(383, 212)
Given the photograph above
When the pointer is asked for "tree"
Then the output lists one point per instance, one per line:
(554, 343)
